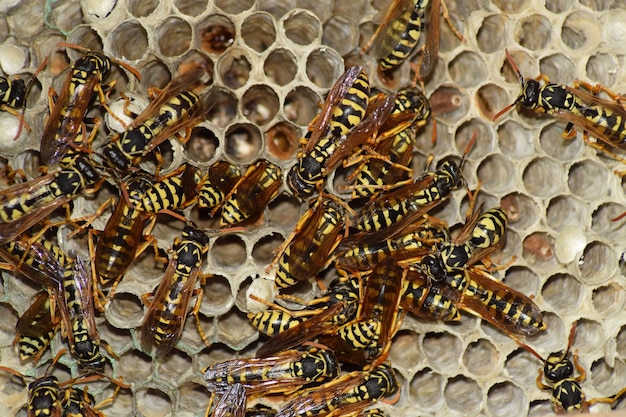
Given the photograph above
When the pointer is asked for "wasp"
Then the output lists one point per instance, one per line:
(163, 324)
(604, 119)
(69, 108)
(305, 252)
(249, 196)
(232, 402)
(285, 372)
(347, 120)
(260, 410)
(35, 329)
(398, 35)
(349, 393)
(174, 109)
(26, 204)
(426, 298)
(220, 180)
(567, 395)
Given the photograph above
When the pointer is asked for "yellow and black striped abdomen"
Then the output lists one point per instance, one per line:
(349, 112)
(12, 93)
(401, 36)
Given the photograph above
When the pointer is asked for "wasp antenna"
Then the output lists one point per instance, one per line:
(514, 66)
(570, 340)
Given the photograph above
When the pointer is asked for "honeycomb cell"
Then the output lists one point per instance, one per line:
(191, 7)
(234, 330)
(284, 211)
(534, 32)
(405, 349)
(442, 360)
(603, 223)
(202, 145)
(229, 252)
(602, 68)
(463, 394)
(581, 31)
(224, 109)
(125, 310)
(449, 104)
(490, 99)
(492, 35)
(217, 298)
(234, 7)
(588, 180)
(521, 210)
(341, 34)
(563, 292)
(7, 327)
(505, 399)
(191, 340)
(621, 342)
(243, 142)
(173, 36)
(301, 27)
(589, 336)
(137, 366)
(553, 338)
(483, 144)
(566, 210)
(559, 68)
(542, 177)
(540, 408)
(552, 142)
(280, 67)
(468, 69)
(128, 40)
(522, 367)
(597, 264)
(607, 380)
(515, 140)
(86, 37)
(538, 248)
(258, 31)
(152, 402)
(276, 8)
(300, 105)
(323, 67)
(192, 398)
(174, 366)
(282, 140)
(155, 74)
(426, 389)
(511, 6)
(263, 249)
(260, 104)
(608, 300)
(353, 10)
(234, 68)
(481, 357)
(216, 34)
(141, 8)
(495, 174)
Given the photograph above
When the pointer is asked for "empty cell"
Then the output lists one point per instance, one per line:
(552, 142)
(581, 31)
(128, 40)
(589, 336)
(234, 330)
(263, 249)
(234, 68)
(540, 408)
(534, 32)
(442, 350)
(192, 397)
(280, 67)
(173, 366)
(481, 357)
(558, 6)
(514, 6)
(463, 394)
(64, 16)
(506, 399)
(553, 338)
(341, 34)
(491, 98)
(228, 251)
(283, 140)
(216, 34)
(137, 366)
(566, 210)
(563, 292)
(202, 145)
(191, 7)
(300, 105)
(405, 349)
(217, 298)
(234, 7)
(258, 31)
(603, 69)
(608, 299)
(559, 68)
(589, 180)
(191, 342)
(543, 177)
(468, 69)
(492, 35)
(483, 144)
(301, 27)
(521, 210)
(515, 140)
(224, 108)
(522, 366)
(152, 402)
(243, 142)
(284, 211)
(259, 104)
(125, 310)
(155, 74)
(85, 36)
(173, 37)
(603, 223)
(426, 389)
(621, 342)
(276, 8)
(607, 380)
(142, 8)
(323, 67)
(598, 263)
(7, 328)
(496, 174)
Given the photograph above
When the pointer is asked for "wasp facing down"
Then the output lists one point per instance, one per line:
(220, 180)
(603, 119)
(35, 329)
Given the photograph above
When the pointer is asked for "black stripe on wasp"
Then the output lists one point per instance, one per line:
(566, 393)
(579, 106)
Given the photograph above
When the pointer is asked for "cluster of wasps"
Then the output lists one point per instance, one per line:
(389, 255)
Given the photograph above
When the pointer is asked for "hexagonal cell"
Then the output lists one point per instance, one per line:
(276, 8)
(140, 8)
(505, 399)
(447, 100)
(515, 140)
(243, 142)
(155, 74)
(137, 366)
(263, 249)
(559, 68)
(341, 34)
(173, 36)
(468, 69)
(538, 248)
(202, 145)
(481, 357)
(125, 310)
(229, 252)
(258, 31)
(216, 34)
(495, 174)
(552, 142)
(534, 32)
(282, 140)
(192, 397)
(7, 327)
(301, 27)
(442, 360)
(589, 180)
(521, 210)
(598, 263)
(174, 366)
(426, 389)
(85, 36)
(492, 34)
(603, 223)
(553, 338)
(607, 380)
(280, 66)
(191, 340)
(128, 40)
(324, 67)
(563, 293)
(608, 299)
(463, 394)
(543, 177)
(224, 110)
(191, 7)
(234, 68)
(234, 330)
(484, 142)
(491, 98)
(581, 31)
(602, 68)
(237, 7)
(217, 298)
(515, 6)
(558, 6)
(522, 367)
(590, 336)
(284, 211)
(540, 408)
(566, 210)
(259, 104)
(300, 105)
(153, 402)
(353, 11)
(405, 349)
